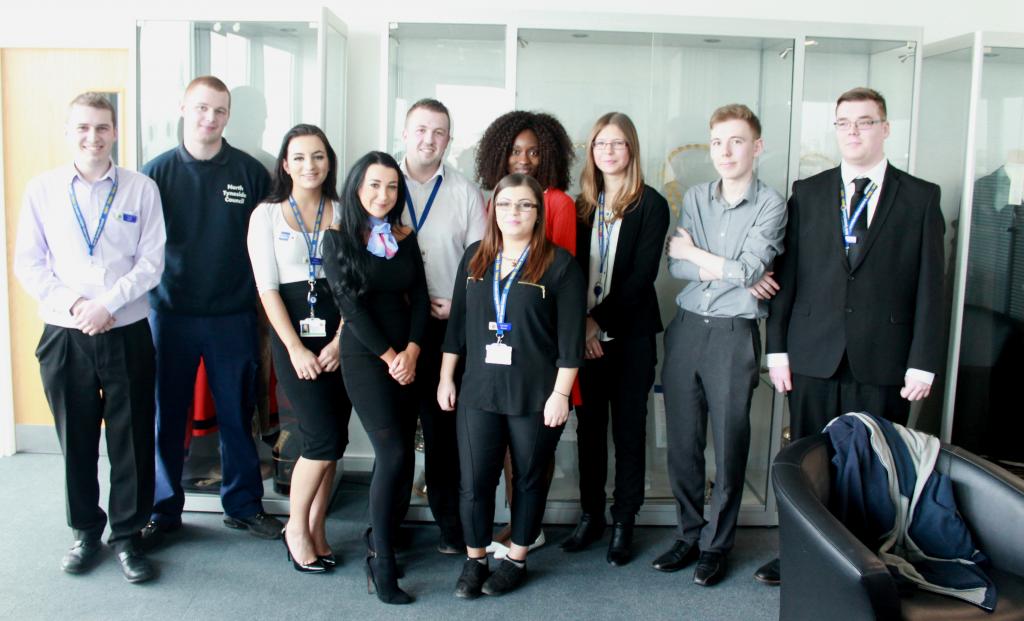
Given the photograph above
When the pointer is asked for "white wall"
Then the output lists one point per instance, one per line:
(109, 24)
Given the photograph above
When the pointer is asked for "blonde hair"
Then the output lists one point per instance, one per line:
(592, 179)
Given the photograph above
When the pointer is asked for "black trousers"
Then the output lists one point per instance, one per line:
(711, 368)
(484, 438)
(441, 449)
(619, 380)
(108, 378)
(815, 401)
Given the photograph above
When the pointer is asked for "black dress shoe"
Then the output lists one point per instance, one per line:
(506, 578)
(710, 568)
(260, 525)
(474, 574)
(769, 573)
(620, 546)
(589, 530)
(81, 557)
(135, 567)
(677, 557)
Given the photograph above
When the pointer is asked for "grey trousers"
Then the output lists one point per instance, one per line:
(711, 370)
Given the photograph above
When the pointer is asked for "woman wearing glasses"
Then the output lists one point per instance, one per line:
(623, 224)
(375, 271)
(534, 144)
(517, 319)
(285, 250)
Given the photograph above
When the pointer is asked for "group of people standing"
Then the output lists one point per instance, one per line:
(408, 296)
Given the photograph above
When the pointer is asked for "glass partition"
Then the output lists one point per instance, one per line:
(273, 70)
(461, 65)
(987, 351)
(832, 66)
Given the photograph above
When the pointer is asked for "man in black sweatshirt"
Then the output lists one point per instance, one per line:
(205, 307)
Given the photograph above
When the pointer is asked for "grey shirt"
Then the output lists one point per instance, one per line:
(748, 235)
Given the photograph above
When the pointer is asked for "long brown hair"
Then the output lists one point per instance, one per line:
(592, 179)
(542, 252)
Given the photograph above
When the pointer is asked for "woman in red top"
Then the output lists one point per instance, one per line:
(534, 144)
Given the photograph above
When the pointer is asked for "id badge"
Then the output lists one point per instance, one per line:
(312, 326)
(90, 274)
(498, 353)
(850, 239)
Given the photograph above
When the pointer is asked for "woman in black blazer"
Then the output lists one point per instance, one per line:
(619, 244)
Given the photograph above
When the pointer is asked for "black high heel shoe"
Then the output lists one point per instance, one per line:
(329, 561)
(381, 577)
(316, 567)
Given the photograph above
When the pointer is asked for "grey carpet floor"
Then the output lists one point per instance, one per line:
(211, 572)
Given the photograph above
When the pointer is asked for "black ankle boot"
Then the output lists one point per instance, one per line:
(381, 575)
(620, 547)
(589, 530)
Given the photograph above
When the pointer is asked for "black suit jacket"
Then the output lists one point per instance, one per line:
(631, 307)
(885, 310)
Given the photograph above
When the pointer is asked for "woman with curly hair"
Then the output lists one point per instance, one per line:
(534, 144)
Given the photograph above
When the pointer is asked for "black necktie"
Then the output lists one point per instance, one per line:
(860, 227)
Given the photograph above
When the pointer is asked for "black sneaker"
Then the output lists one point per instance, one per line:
(260, 525)
(507, 578)
(474, 573)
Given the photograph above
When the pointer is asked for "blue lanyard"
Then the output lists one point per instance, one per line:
(95, 239)
(850, 221)
(500, 301)
(604, 233)
(311, 242)
(418, 224)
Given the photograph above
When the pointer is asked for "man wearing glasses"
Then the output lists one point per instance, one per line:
(857, 323)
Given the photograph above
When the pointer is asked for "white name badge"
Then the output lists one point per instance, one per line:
(498, 353)
(90, 274)
(311, 326)
(851, 239)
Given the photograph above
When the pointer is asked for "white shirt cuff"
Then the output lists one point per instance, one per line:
(921, 376)
(778, 360)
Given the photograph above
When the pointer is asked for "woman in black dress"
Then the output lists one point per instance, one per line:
(284, 235)
(517, 319)
(374, 269)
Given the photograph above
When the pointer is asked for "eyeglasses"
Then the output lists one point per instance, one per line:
(520, 206)
(616, 145)
(861, 124)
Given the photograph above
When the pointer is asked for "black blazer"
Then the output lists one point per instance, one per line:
(631, 307)
(885, 311)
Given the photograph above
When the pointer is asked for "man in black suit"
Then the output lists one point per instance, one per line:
(857, 322)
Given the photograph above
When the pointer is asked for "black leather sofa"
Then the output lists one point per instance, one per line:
(829, 575)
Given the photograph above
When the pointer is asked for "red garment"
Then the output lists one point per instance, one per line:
(202, 416)
(560, 219)
(560, 229)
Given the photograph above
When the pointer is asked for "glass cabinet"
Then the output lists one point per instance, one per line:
(972, 144)
(668, 75)
(280, 73)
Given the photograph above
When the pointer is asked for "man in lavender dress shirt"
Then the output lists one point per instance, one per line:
(90, 246)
